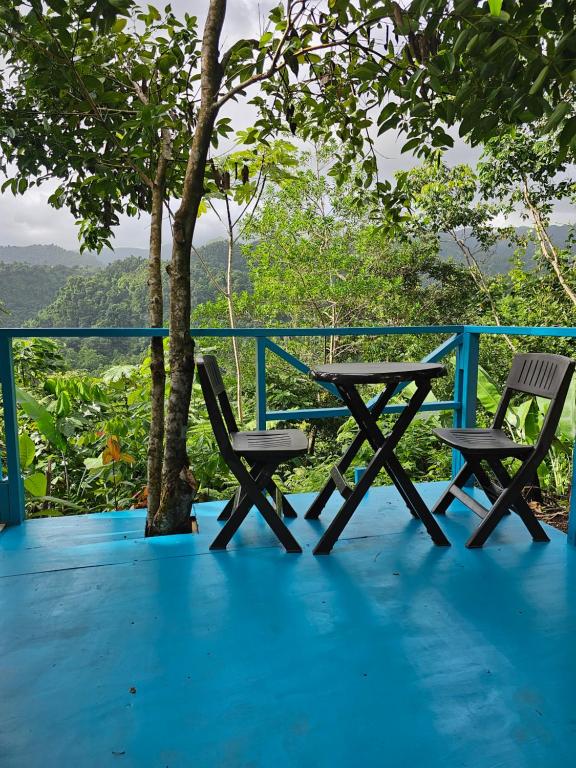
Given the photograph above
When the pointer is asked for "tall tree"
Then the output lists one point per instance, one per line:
(442, 201)
(100, 108)
(238, 180)
(523, 170)
(285, 56)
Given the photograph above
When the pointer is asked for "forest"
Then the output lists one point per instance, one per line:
(316, 236)
(311, 258)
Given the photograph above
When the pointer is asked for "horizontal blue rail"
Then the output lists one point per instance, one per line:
(254, 333)
(464, 340)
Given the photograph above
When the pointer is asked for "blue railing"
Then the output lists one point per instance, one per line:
(464, 340)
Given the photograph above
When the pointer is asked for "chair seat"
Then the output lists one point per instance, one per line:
(269, 443)
(483, 441)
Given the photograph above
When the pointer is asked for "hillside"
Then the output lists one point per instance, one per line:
(39, 293)
(25, 289)
(497, 261)
(116, 295)
(46, 254)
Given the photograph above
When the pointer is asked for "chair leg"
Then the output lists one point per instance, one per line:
(232, 524)
(510, 497)
(287, 508)
(252, 495)
(447, 498)
(520, 505)
(488, 524)
(240, 505)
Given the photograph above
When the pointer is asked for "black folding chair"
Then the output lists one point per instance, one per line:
(261, 450)
(543, 375)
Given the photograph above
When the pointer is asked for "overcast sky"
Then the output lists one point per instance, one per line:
(28, 219)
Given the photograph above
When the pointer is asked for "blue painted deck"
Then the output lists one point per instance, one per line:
(120, 651)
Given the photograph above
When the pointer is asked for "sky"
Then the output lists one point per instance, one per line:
(29, 219)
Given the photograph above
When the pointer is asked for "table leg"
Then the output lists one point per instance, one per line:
(332, 533)
(415, 502)
(344, 463)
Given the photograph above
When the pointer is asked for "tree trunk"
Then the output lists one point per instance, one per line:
(478, 278)
(549, 251)
(178, 484)
(231, 315)
(156, 319)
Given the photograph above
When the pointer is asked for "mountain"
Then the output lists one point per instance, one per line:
(108, 256)
(46, 254)
(498, 260)
(113, 295)
(495, 262)
(26, 288)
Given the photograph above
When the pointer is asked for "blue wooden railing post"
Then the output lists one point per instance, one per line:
(572, 510)
(12, 486)
(465, 387)
(260, 382)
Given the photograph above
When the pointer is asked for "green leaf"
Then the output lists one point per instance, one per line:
(567, 423)
(411, 144)
(119, 25)
(36, 484)
(520, 414)
(63, 405)
(540, 80)
(94, 463)
(568, 132)
(26, 449)
(488, 392)
(44, 420)
(166, 62)
(461, 41)
(495, 47)
(548, 20)
(62, 502)
(495, 7)
(557, 116)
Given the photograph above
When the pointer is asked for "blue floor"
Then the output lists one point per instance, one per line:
(391, 652)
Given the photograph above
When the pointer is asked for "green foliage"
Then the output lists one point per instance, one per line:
(112, 296)
(483, 68)
(26, 289)
(317, 259)
(314, 258)
(89, 108)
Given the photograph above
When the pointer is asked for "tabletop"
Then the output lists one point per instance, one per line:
(376, 373)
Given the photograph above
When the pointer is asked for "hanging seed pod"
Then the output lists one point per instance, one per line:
(245, 174)
(226, 181)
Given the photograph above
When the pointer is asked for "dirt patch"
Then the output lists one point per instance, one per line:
(552, 510)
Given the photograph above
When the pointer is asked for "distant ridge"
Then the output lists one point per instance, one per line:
(54, 255)
(50, 255)
(497, 261)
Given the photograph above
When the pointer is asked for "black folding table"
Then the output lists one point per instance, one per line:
(346, 377)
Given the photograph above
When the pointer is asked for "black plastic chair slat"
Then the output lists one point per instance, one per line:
(214, 375)
(540, 375)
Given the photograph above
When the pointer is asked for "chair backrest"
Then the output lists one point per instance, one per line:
(541, 375)
(217, 403)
